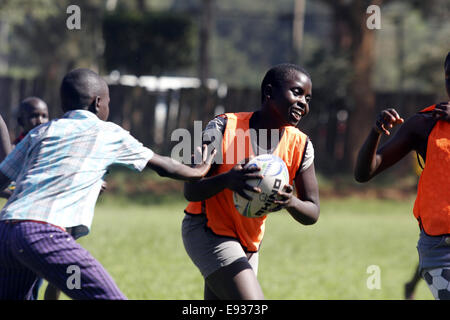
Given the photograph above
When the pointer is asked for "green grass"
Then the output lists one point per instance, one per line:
(329, 260)
(141, 247)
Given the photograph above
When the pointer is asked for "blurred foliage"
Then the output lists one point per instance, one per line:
(423, 34)
(16, 11)
(13, 13)
(40, 43)
(247, 39)
(405, 56)
(148, 43)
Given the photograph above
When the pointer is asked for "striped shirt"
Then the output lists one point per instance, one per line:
(58, 169)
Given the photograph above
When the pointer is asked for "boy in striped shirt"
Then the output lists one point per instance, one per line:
(58, 169)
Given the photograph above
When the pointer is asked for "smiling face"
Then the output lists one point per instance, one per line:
(290, 99)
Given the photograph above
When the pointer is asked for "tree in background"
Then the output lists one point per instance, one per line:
(356, 42)
(410, 46)
(41, 43)
(14, 13)
(348, 62)
(356, 45)
(148, 43)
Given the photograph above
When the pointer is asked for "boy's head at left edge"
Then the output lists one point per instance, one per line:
(83, 89)
(32, 112)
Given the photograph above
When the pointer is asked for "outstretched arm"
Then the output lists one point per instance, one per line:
(235, 179)
(168, 167)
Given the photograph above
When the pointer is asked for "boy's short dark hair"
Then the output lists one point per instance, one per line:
(447, 59)
(278, 74)
(26, 105)
(30, 102)
(78, 88)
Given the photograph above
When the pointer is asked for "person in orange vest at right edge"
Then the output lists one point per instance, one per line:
(223, 244)
(427, 133)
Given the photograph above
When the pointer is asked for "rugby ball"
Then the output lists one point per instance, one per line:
(276, 176)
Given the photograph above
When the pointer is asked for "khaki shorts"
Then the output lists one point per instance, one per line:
(210, 252)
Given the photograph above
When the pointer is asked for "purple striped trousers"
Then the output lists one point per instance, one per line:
(29, 250)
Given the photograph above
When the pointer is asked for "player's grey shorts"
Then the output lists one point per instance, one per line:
(209, 251)
(434, 252)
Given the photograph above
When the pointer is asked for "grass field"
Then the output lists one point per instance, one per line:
(141, 247)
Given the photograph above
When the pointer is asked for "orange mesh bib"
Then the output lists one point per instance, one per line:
(223, 218)
(432, 205)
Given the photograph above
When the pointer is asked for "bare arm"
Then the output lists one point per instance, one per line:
(305, 208)
(368, 161)
(411, 135)
(205, 188)
(167, 167)
(235, 180)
